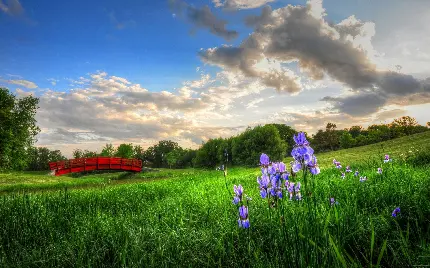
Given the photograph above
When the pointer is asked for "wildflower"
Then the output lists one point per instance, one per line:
(282, 167)
(334, 161)
(243, 220)
(290, 188)
(348, 169)
(264, 160)
(362, 179)
(302, 151)
(220, 167)
(238, 191)
(296, 166)
(333, 201)
(297, 191)
(285, 176)
(313, 166)
(343, 175)
(387, 158)
(338, 165)
(356, 173)
(380, 170)
(395, 212)
(271, 170)
(264, 185)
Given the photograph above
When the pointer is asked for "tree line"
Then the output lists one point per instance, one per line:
(18, 132)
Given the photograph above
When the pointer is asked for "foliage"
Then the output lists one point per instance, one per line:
(125, 151)
(39, 158)
(17, 129)
(248, 146)
(108, 150)
(156, 155)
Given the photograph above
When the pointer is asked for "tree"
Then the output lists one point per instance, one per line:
(346, 140)
(406, 124)
(286, 132)
(248, 146)
(108, 150)
(355, 131)
(138, 152)
(428, 124)
(88, 154)
(78, 153)
(17, 129)
(156, 155)
(125, 151)
(39, 158)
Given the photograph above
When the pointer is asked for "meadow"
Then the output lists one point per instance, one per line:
(186, 218)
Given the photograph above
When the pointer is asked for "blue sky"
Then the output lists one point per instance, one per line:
(163, 67)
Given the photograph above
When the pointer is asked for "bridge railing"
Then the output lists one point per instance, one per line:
(95, 163)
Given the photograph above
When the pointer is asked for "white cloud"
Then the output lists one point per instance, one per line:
(24, 83)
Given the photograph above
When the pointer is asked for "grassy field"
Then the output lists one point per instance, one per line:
(186, 217)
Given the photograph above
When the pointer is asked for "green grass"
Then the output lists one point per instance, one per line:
(186, 218)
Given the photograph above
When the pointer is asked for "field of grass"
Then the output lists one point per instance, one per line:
(186, 217)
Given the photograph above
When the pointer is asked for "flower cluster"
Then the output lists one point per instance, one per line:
(379, 170)
(387, 158)
(243, 220)
(273, 174)
(333, 201)
(303, 155)
(337, 164)
(395, 212)
(363, 179)
(293, 190)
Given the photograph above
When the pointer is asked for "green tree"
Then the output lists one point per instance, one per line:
(78, 153)
(156, 155)
(108, 150)
(125, 151)
(248, 146)
(17, 129)
(138, 152)
(346, 140)
(286, 132)
(88, 154)
(355, 131)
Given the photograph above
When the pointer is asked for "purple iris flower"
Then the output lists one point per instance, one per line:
(285, 176)
(272, 170)
(282, 167)
(264, 182)
(338, 165)
(238, 191)
(275, 166)
(356, 173)
(264, 160)
(334, 161)
(343, 175)
(380, 170)
(387, 158)
(313, 166)
(243, 217)
(395, 212)
(333, 201)
(348, 169)
(290, 188)
(264, 171)
(362, 179)
(300, 139)
(297, 187)
(297, 166)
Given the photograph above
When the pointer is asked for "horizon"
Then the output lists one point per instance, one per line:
(189, 71)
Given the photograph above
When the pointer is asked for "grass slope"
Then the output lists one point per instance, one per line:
(190, 221)
(41, 180)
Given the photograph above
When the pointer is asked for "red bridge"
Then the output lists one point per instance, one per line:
(95, 163)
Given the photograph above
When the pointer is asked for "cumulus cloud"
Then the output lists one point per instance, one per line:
(24, 83)
(240, 4)
(11, 7)
(203, 18)
(300, 33)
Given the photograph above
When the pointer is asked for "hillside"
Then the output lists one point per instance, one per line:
(400, 147)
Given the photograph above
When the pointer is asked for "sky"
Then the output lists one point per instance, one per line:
(143, 71)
